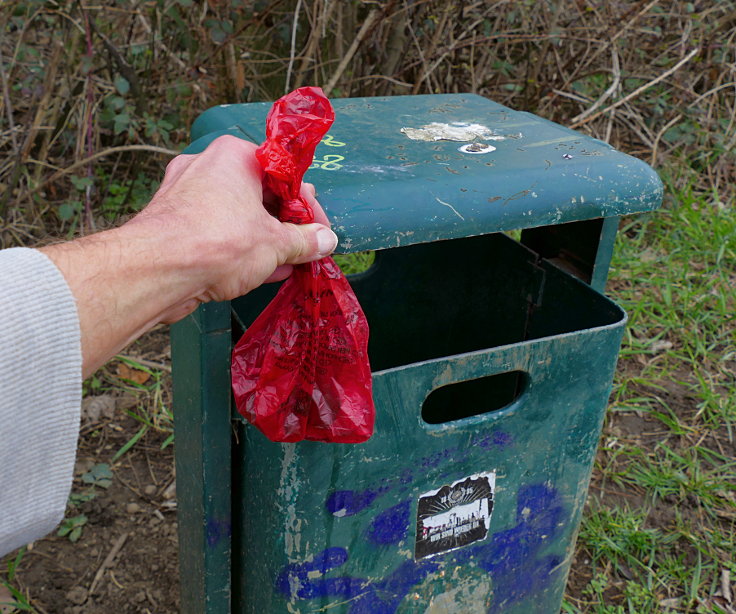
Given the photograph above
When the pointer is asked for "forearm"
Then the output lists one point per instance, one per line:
(124, 281)
(205, 236)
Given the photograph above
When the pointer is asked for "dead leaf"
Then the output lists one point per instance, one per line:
(170, 491)
(7, 602)
(726, 585)
(661, 345)
(722, 605)
(134, 375)
(83, 465)
(673, 603)
(102, 406)
(649, 255)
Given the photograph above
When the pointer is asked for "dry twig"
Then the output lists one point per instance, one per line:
(292, 54)
(117, 546)
(367, 24)
(98, 155)
(638, 90)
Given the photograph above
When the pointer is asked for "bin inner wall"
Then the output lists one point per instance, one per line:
(451, 297)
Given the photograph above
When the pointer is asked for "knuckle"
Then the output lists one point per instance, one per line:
(173, 164)
(230, 142)
(224, 139)
(179, 163)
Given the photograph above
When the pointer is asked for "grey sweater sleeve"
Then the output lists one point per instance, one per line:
(40, 395)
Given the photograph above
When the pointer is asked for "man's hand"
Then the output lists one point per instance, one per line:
(205, 236)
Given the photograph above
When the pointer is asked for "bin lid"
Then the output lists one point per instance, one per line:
(399, 170)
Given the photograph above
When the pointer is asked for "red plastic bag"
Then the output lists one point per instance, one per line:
(301, 369)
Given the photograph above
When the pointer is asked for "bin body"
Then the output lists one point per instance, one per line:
(468, 496)
(491, 371)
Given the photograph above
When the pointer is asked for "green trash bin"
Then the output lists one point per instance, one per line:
(492, 363)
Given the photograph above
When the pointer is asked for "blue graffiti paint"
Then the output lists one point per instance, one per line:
(350, 502)
(406, 477)
(512, 557)
(391, 525)
(497, 439)
(502, 439)
(437, 458)
(298, 581)
(294, 579)
(216, 530)
(384, 596)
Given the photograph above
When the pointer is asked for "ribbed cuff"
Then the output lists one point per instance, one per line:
(40, 395)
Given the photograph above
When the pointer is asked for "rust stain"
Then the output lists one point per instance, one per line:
(516, 196)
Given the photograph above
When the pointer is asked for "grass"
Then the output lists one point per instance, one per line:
(148, 383)
(660, 531)
(13, 599)
(352, 264)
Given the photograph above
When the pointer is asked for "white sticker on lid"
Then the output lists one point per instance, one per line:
(456, 131)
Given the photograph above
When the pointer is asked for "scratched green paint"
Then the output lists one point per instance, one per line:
(253, 513)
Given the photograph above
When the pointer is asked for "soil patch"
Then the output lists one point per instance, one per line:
(126, 557)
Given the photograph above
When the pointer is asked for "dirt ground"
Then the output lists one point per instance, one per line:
(125, 559)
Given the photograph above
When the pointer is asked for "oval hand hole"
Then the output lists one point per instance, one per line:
(473, 397)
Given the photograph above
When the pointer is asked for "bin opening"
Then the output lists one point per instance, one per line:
(473, 397)
(444, 298)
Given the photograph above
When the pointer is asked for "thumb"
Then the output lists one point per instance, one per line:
(308, 242)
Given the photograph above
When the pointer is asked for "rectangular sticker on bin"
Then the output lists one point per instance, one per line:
(454, 515)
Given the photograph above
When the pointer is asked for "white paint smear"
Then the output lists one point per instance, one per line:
(456, 131)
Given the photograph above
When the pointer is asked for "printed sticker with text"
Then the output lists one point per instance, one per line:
(454, 516)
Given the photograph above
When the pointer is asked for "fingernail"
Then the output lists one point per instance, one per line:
(326, 241)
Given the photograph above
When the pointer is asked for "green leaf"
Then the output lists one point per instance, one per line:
(100, 475)
(76, 499)
(131, 442)
(66, 212)
(122, 123)
(86, 64)
(219, 29)
(13, 565)
(20, 601)
(72, 527)
(117, 103)
(81, 183)
(168, 441)
(122, 85)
